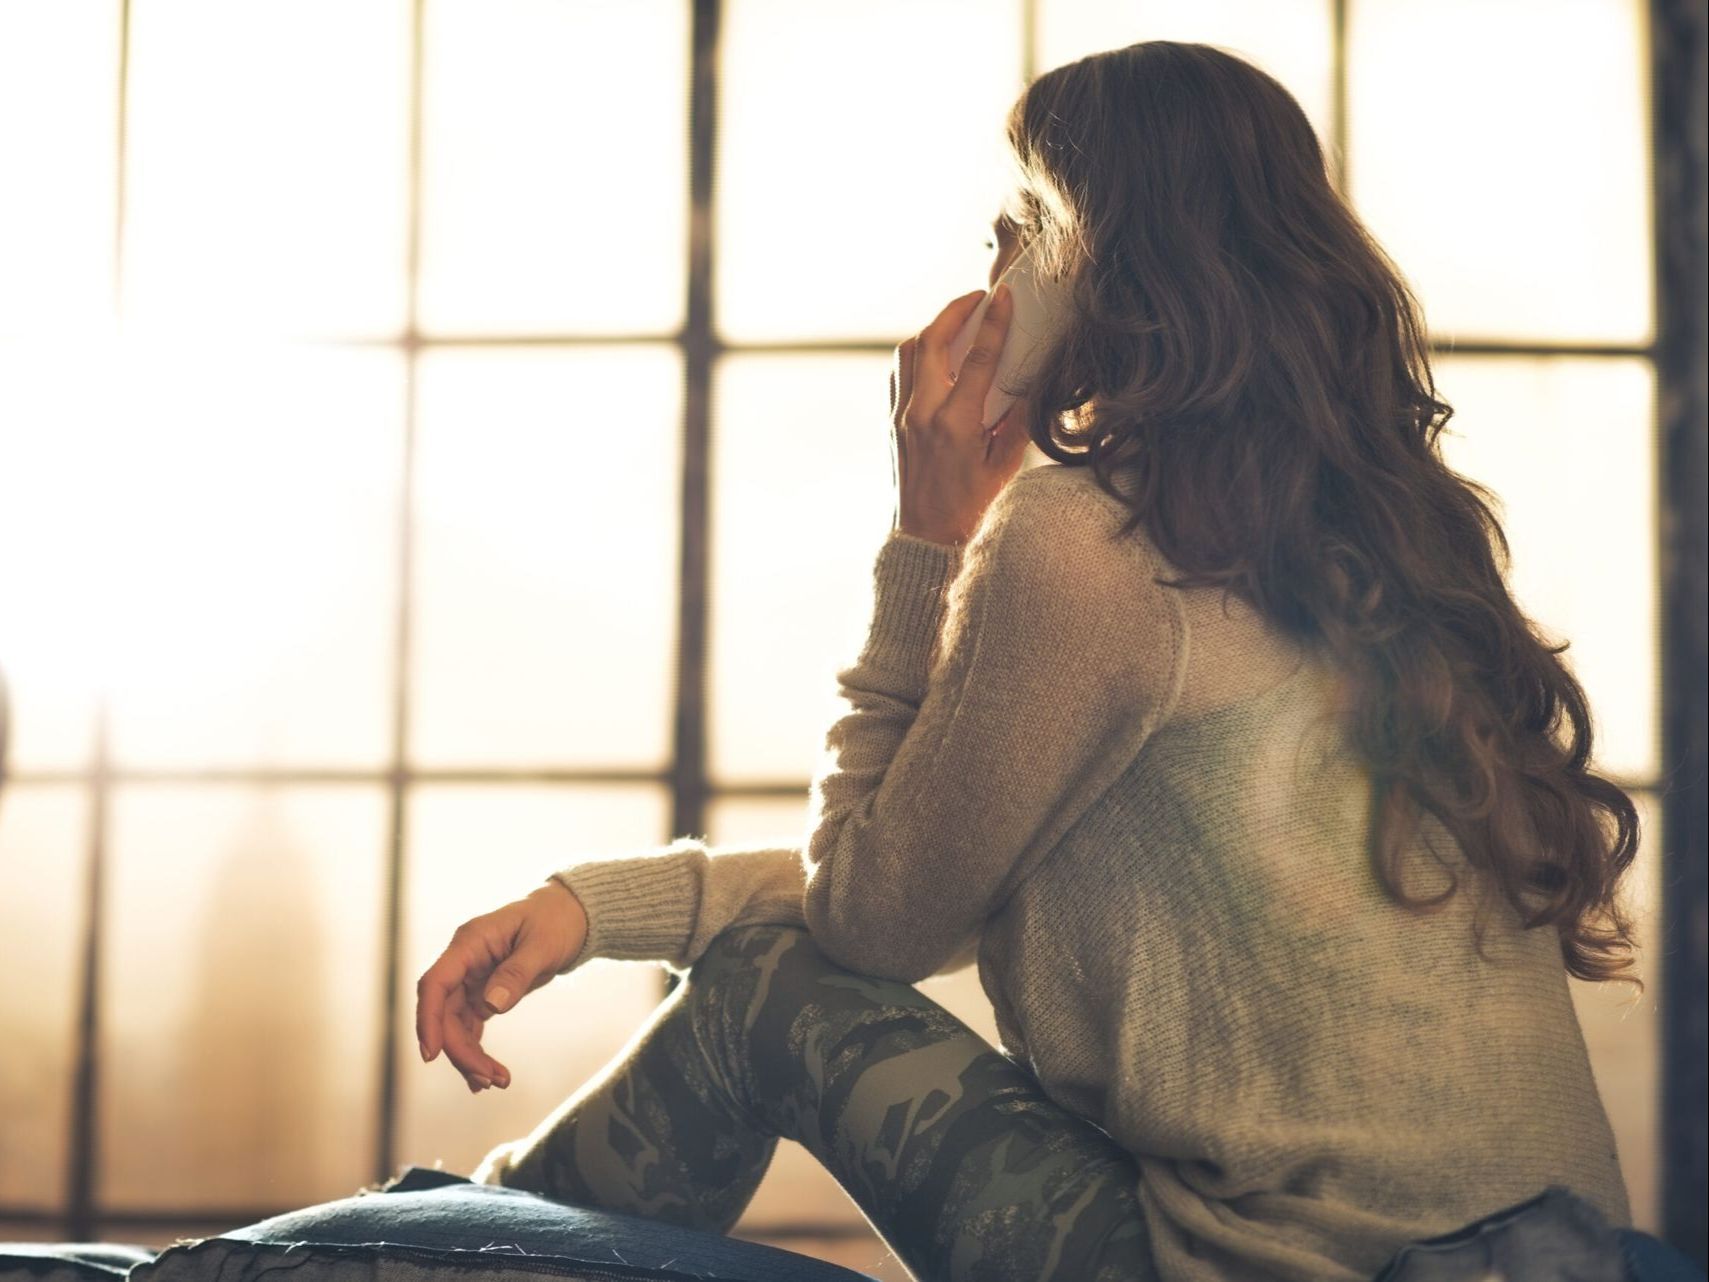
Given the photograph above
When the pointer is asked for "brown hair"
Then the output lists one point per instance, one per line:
(1247, 356)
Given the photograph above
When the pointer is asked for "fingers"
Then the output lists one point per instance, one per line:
(444, 1021)
(474, 948)
(966, 400)
(1006, 440)
(931, 359)
(522, 972)
(901, 378)
(436, 985)
(490, 964)
(462, 1037)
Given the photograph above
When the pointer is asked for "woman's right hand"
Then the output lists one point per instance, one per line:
(491, 962)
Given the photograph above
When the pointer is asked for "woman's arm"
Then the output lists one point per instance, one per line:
(1000, 690)
(669, 905)
(1059, 656)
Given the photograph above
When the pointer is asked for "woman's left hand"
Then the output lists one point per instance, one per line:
(491, 963)
(948, 467)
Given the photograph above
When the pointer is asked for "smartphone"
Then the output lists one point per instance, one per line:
(1041, 307)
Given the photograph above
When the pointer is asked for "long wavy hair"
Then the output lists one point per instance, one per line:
(1245, 355)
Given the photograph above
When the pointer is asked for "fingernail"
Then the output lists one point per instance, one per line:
(481, 1082)
(498, 998)
(1001, 294)
(425, 1057)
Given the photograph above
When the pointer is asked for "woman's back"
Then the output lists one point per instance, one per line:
(1206, 965)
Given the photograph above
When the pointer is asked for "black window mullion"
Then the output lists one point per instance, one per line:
(398, 777)
(82, 1137)
(1680, 169)
(82, 1170)
(700, 349)
(1338, 136)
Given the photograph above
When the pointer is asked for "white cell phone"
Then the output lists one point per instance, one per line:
(1040, 309)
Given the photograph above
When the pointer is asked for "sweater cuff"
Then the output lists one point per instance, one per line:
(640, 908)
(910, 581)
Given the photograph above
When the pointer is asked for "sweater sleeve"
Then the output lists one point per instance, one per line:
(952, 774)
(1000, 690)
(668, 905)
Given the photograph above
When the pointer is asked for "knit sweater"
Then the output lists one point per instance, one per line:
(1136, 806)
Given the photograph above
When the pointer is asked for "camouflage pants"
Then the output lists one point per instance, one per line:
(953, 1152)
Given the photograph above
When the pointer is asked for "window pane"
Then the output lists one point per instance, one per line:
(1568, 445)
(855, 190)
(554, 175)
(796, 525)
(472, 850)
(268, 159)
(1516, 199)
(254, 536)
(1623, 1032)
(43, 831)
(547, 526)
(59, 112)
(757, 823)
(1290, 39)
(52, 424)
(241, 995)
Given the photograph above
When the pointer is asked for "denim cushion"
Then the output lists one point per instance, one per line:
(1649, 1259)
(429, 1226)
(432, 1227)
(68, 1261)
(1555, 1236)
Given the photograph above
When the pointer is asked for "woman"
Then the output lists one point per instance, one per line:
(1220, 742)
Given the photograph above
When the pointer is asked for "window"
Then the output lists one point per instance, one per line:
(407, 491)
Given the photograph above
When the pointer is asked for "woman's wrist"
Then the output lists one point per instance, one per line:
(568, 915)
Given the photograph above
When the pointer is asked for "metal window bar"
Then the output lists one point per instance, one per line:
(1679, 123)
(688, 775)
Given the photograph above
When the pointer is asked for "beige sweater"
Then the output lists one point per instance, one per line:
(1136, 806)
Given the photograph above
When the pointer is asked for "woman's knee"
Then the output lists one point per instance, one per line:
(732, 985)
(753, 961)
(496, 1164)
